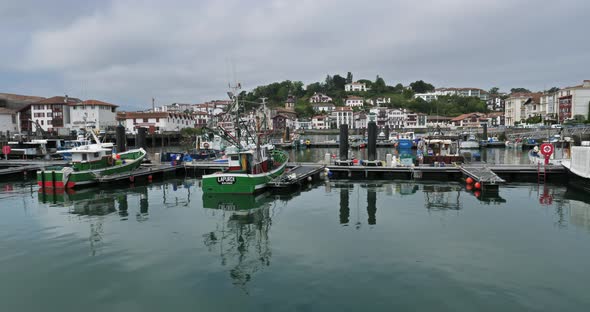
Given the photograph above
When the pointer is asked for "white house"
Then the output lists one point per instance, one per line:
(323, 107)
(8, 120)
(156, 121)
(549, 106)
(574, 101)
(98, 114)
(513, 107)
(429, 96)
(320, 122)
(379, 101)
(396, 118)
(354, 101)
(343, 115)
(303, 124)
(360, 120)
(320, 98)
(355, 87)
(52, 113)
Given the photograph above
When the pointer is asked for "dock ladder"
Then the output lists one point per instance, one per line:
(541, 173)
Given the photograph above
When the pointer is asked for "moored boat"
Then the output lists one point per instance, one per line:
(579, 166)
(248, 172)
(89, 162)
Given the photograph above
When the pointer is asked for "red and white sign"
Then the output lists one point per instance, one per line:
(6, 149)
(547, 149)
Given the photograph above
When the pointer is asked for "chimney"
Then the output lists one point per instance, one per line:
(66, 99)
(586, 84)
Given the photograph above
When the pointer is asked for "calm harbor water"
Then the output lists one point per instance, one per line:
(335, 246)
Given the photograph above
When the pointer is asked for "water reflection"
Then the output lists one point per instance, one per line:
(442, 196)
(242, 237)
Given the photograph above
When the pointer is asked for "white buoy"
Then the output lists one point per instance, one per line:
(309, 179)
(388, 160)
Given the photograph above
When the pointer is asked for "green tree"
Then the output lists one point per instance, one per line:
(421, 87)
(315, 87)
(553, 90)
(339, 82)
(494, 91)
(379, 85)
(349, 77)
(520, 90)
(399, 88)
(367, 82)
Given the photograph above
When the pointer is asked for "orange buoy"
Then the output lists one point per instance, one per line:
(477, 185)
(150, 178)
(477, 193)
(469, 180)
(132, 179)
(469, 187)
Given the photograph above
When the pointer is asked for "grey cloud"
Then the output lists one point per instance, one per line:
(129, 51)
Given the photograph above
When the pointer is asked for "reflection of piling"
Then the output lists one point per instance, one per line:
(123, 206)
(372, 206)
(120, 138)
(143, 204)
(372, 145)
(141, 138)
(344, 206)
(344, 142)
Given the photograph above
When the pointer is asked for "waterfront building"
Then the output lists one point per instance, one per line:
(548, 103)
(532, 106)
(320, 98)
(360, 120)
(496, 119)
(97, 114)
(354, 101)
(514, 107)
(320, 122)
(156, 121)
(495, 103)
(343, 115)
(281, 121)
(290, 102)
(8, 120)
(396, 118)
(355, 87)
(441, 121)
(469, 120)
(415, 120)
(574, 101)
(50, 114)
(303, 124)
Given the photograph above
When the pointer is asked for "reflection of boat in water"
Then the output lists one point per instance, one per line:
(442, 196)
(234, 202)
(242, 237)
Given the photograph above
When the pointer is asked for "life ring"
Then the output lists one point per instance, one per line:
(206, 145)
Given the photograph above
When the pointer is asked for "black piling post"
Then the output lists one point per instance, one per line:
(121, 138)
(343, 142)
(386, 132)
(372, 145)
(141, 137)
(485, 132)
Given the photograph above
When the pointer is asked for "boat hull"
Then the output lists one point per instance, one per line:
(239, 183)
(60, 177)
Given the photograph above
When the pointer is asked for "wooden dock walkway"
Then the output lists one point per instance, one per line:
(484, 175)
(143, 171)
(296, 175)
(18, 169)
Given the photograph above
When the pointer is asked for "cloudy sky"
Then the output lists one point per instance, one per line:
(127, 52)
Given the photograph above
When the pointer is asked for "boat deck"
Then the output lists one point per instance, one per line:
(143, 171)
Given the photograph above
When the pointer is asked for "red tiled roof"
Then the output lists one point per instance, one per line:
(58, 100)
(354, 97)
(464, 116)
(7, 111)
(19, 97)
(96, 102)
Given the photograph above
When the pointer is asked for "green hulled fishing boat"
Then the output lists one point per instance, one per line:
(247, 172)
(89, 162)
